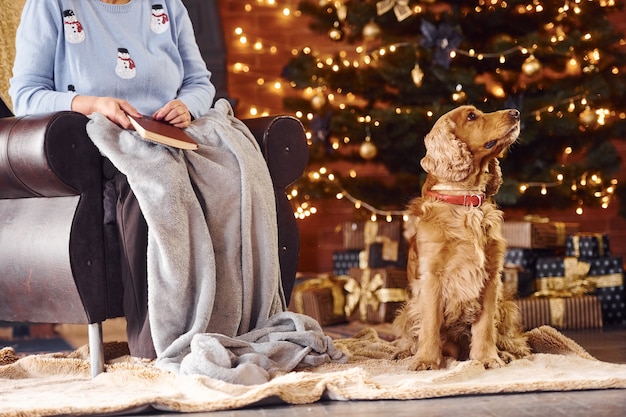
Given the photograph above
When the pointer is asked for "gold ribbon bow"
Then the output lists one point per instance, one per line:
(400, 8)
(574, 283)
(606, 281)
(369, 293)
(335, 284)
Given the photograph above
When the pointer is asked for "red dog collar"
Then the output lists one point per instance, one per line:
(469, 200)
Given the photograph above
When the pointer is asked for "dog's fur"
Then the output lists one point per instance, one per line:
(456, 306)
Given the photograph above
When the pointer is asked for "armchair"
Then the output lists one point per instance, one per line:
(59, 260)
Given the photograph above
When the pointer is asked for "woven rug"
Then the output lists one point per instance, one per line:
(59, 383)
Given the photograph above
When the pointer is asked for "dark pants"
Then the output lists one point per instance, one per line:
(121, 207)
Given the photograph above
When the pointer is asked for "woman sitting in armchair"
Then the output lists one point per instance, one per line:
(115, 58)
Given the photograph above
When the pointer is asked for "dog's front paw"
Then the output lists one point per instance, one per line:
(402, 354)
(423, 364)
(506, 357)
(492, 362)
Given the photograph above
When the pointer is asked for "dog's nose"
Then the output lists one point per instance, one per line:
(514, 113)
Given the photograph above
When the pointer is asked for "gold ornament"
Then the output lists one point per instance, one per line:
(371, 31)
(418, 75)
(593, 57)
(368, 150)
(531, 66)
(335, 34)
(587, 117)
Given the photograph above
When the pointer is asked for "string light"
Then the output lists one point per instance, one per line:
(592, 181)
(323, 175)
(305, 209)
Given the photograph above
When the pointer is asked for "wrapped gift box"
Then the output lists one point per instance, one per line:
(557, 266)
(374, 295)
(537, 234)
(358, 234)
(527, 258)
(322, 298)
(606, 276)
(602, 272)
(518, 282)
(613, 302)
(563, 313)
(587, 245)
(387, 254)
(344, 260)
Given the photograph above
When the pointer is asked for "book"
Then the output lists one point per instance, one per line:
(162, 132)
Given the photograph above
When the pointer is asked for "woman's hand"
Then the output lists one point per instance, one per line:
(175, 113)
(114, 109)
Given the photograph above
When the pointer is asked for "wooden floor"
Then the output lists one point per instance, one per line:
(607, 344)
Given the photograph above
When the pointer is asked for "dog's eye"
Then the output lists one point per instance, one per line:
(472, 116)
(490, 144)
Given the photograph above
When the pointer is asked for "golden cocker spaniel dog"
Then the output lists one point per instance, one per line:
(456, 306)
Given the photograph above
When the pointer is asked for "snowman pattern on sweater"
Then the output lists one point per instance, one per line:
(125, 67)
(72, 28)
(159, 21)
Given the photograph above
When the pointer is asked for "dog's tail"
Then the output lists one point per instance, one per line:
(511, 336)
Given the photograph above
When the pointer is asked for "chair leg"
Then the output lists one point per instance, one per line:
(96, 349)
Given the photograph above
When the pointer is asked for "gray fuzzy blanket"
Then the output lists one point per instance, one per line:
(212, 235)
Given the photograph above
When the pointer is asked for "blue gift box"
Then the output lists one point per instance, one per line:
(587, 245)
(344, 260)
(606, 274)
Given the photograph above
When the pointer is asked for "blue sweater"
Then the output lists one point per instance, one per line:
(143, 51)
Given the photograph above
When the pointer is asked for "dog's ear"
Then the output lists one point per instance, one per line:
(495, 177)
(447, 157)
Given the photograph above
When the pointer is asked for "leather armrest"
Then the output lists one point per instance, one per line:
(283, 143)
(46, 155)
(52, 241)
(49, 155)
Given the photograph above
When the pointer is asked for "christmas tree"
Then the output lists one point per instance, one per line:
(400, 65)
